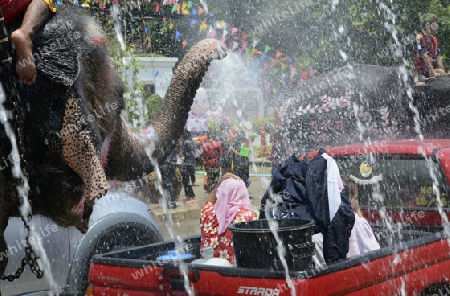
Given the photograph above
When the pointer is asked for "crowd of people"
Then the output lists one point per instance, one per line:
(219, 153)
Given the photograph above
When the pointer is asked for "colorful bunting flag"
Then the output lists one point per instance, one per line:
(293, 70)
(212, 33)
(232, 45)
(184, 9)
(304, 75)
(203, 26)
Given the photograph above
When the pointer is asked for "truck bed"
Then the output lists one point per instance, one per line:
(412, 258)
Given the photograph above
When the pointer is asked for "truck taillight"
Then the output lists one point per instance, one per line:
(90, 290)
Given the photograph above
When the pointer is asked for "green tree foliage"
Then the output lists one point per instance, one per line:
(152, 104)
(327, 34)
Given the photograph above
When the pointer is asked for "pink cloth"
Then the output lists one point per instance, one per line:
(362, 239)
(231, 195)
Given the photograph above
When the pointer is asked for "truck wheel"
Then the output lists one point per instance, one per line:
(113, 232)
(439, 289)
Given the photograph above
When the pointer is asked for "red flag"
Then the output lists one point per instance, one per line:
(304, 75)
(293, 70)
(157, 7)
(184, 43)
(244, 36)
(278, 54)
(200, 11)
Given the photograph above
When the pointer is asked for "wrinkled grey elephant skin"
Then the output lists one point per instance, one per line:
(75, 136)
(365, 102)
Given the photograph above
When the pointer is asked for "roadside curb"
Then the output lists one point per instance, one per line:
(181, 213)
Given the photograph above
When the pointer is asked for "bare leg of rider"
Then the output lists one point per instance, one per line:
(37, 13)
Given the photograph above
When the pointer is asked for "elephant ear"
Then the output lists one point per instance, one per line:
(63, 43)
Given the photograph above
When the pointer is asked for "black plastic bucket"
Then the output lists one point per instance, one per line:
(255, 245)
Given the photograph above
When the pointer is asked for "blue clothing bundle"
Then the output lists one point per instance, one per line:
(299, 190)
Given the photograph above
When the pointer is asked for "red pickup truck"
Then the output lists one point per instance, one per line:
(404, 187)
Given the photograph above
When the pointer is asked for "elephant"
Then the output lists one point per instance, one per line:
(364, 103)
(75, 138)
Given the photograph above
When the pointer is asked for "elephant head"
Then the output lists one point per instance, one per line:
(363, 102)
(76, 138)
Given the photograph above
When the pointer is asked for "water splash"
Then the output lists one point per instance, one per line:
(118, 26)
(179, 244)
(205, 6)
(281, 250)
(403, 73)
(23, 189)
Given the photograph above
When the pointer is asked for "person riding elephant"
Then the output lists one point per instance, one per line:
(70, 131)
(36, 12)
(427, 57)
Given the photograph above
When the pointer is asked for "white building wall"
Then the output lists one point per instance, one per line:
(157, 71)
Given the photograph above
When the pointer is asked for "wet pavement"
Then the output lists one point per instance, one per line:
(185, 219)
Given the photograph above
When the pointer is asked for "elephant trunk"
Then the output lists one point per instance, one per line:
(128, 152)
